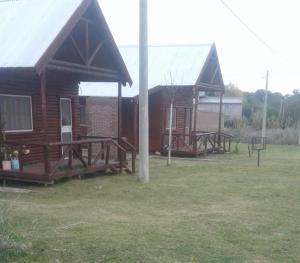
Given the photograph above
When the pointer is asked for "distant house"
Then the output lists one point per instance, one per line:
(177, 74)
(47, 48)
(231, 109)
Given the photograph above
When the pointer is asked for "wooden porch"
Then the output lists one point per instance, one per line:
(78, 158)
(197, 143)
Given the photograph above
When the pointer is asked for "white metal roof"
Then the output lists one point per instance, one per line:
(168, 65)
(28, 27)
(216, 100)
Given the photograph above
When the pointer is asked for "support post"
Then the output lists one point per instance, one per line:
(44, 105)
(143, 95)
(135, 123)
(220, 119)
(170, 135)
(119, 118)
(196, 101)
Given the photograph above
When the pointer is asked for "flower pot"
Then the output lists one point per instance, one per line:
(6, 165)
(15, 164)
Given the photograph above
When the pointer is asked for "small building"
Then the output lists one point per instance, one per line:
(232, 108)
(177, 73)
(47, 48)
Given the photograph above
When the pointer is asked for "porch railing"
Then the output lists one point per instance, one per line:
(76, 158)
(126, 146)
(199, 142)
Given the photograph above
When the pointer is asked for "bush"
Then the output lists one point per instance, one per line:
(287, 136)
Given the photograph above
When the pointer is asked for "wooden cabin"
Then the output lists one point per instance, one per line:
(177, 74)
(47, 48)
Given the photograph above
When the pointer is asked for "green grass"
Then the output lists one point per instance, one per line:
(223, 210)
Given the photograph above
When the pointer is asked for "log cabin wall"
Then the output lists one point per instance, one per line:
(183, 101)
(156, 114)
(30, 86)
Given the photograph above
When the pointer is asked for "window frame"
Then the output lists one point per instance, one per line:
(174, 123)
(31, 113)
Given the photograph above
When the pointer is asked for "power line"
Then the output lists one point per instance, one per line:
(248, 27)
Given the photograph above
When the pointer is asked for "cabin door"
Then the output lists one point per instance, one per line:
(66, 120)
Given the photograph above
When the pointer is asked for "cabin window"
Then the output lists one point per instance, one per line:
(173, 118)
(16, 113)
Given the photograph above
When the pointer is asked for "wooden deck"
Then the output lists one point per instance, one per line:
(196, 144)
(79, 158)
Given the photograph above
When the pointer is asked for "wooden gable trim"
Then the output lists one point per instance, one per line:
(208, 59)
(125, 74)
(61, 37)
(93, 56)
(219, 67)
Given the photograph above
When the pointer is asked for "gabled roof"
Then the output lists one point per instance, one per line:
(31, 31)
(176, 65)
(28, 27)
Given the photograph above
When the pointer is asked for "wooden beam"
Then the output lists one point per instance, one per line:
(214, 75)
(43, 91)
(87, 43)
(103, 75)
(220, 119)
(135, 123)
(196, 108)
(78, 49)
(83, 67)
(93, 56)
(86, 20)
(119, 111)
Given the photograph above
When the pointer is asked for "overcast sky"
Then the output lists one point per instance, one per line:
(244, 60)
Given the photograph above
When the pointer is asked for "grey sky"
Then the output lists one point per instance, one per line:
(243, 59)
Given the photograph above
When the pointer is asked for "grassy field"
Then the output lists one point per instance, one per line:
(224, 209)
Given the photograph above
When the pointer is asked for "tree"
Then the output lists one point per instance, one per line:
(233, 91)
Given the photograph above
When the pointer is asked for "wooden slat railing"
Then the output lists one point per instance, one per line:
(50, 170)
(122, 142)
(199, 142)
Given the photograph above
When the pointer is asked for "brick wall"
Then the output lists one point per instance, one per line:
(102, 116)
(208, 121)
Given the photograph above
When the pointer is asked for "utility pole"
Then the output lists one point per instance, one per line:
(264, 124)
(143, 96)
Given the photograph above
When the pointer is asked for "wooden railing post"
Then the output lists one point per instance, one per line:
(205, 145)
(121, 161)
(70, 161)
(215, 135)
(21, 160)
(89, 154)
(102, 149)
(46, 160)
(133, 161)
(107, 154)
(194, 139)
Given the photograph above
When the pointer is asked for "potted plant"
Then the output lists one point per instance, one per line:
(15, 164)
(4, 158)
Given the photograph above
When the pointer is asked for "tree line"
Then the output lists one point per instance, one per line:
(283, 110)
